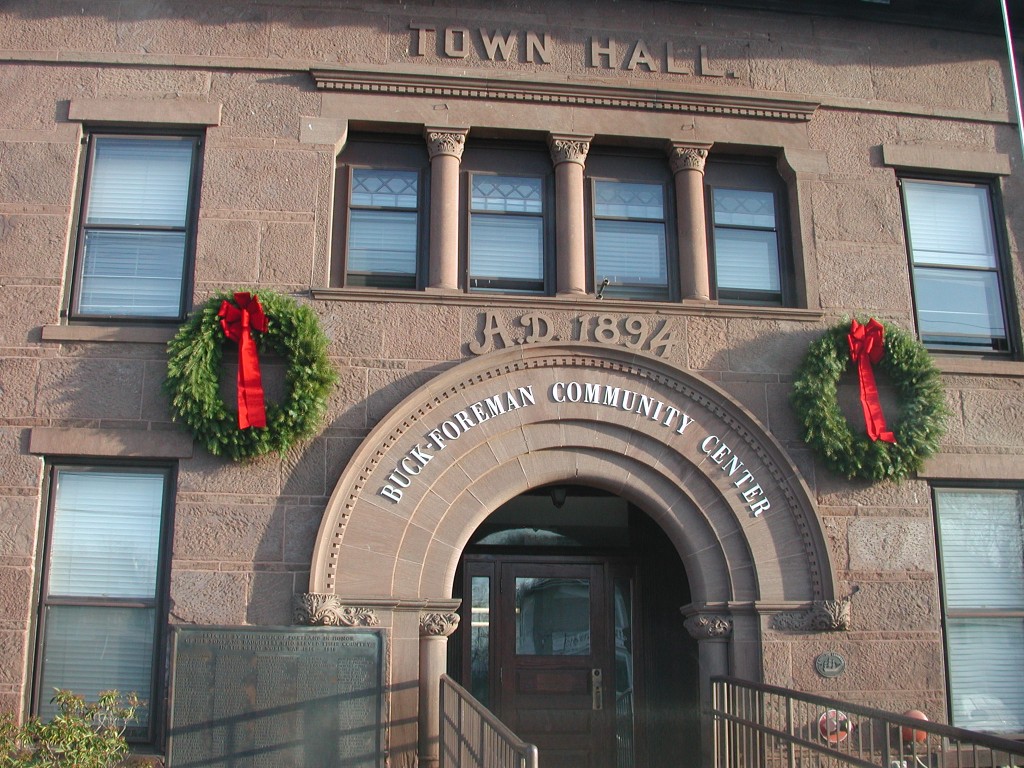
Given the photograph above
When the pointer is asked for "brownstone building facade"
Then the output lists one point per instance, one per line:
(568, 257)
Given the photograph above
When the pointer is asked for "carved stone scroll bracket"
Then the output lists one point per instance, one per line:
(822, 616)
(685, 157)
(438, 624)
(441, 141)
(319, 610)
(709, 626)
(568, 148)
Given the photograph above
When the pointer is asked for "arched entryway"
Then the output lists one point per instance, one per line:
(571, 630)
(722, 490)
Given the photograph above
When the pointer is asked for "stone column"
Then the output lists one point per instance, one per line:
(445, 146)
(687, 163)
(434, 631)
(568, 154)
(712, 631)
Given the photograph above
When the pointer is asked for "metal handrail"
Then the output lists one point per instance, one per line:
(472, 737)
(764, 726)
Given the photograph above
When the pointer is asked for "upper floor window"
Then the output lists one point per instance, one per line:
(381, 228)
(954, 257)
(981, 543)
(508, 218)
(747, 233)
(103, 587)
(630, 204)
(136, 227)
(506, 233)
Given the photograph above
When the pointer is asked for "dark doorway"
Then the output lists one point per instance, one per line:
(571, 632)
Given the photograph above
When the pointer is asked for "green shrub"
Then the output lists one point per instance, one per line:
(81, 735)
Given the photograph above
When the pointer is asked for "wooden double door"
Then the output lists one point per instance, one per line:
(551, 649)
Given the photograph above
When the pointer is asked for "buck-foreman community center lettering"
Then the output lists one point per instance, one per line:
(438, 439)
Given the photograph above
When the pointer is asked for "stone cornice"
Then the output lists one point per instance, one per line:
(568, 94)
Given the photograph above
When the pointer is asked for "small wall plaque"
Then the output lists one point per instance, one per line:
(830, 664)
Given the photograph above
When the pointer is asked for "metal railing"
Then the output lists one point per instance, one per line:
(762, 726)
(472, 737)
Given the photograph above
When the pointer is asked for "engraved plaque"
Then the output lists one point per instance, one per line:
(276, 697)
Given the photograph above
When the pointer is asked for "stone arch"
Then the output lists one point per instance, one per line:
(723, 489)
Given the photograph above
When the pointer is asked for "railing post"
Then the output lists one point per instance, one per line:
(790, 731)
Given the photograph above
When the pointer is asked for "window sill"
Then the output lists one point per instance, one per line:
(978, 366)
(89, 332)
(566, 302)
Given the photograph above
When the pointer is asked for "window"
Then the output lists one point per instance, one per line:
(746, 212)
(381, 229)
(507, 232)
(136, 227)
(955, 265)
(103, 584)
(630, 202)
(981, 544)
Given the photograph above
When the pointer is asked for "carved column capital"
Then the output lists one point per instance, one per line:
(438, 624)
(316, 609)
(822, 616)
(568, 148)
(709, 626)
(686, 157)
(445, 141)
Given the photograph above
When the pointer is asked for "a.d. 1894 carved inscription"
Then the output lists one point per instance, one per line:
(649, 334)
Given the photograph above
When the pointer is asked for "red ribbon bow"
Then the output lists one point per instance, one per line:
(865, 350)
(237, 322)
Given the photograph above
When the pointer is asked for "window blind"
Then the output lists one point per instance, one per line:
(106, 535)
(747, 259)
(132, 273)
(506, 247)
(630, 252)
(949, 224)
(986, 674)
(382, 241)
(981, 535)
(90, 649)
(140, 182)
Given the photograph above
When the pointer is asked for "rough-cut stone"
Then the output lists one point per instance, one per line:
(885, 544)
(224, 532)
(227, 250)
(91, 388)
(208, 597)
(18, 533)
(270, 599)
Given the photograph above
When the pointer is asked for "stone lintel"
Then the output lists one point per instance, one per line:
(119, 443)
(144, 111)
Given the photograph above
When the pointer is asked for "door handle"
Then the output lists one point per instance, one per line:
(596, 689)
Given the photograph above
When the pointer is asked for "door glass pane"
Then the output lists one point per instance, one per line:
(552, 617)
(480, 638)
(623, 674)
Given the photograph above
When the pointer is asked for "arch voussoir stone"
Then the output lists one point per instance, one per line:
(694, 459)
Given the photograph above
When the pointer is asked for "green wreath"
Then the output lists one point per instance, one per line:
(918, 427)
(194, 374)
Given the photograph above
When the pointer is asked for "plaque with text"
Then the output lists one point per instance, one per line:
(302, 697)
